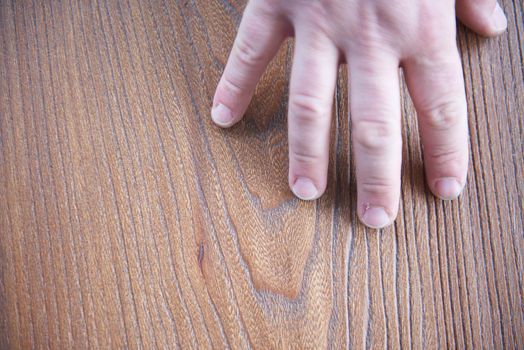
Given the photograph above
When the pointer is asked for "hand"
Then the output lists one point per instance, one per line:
(376, 37)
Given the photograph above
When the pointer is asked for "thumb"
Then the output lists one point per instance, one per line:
(485, 17)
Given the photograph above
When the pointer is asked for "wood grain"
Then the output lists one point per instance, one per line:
(128, 220)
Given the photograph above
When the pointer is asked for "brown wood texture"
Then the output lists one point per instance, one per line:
(129, 220)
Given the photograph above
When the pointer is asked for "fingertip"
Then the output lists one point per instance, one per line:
(499, 22)
(222, 115)
(305, 189)
(447, 188)
(376, 217)
(485, 17)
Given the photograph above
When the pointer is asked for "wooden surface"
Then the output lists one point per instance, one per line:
(128, 220)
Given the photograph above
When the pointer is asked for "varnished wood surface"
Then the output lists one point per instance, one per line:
(128, 220)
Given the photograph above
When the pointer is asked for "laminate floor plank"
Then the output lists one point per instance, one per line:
(129, 220)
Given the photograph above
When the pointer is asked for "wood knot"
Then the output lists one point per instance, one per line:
(201, 251)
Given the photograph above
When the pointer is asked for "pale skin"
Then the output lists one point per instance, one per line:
(375, 38)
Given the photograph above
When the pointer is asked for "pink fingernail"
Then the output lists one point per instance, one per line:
(447, 188)
(222, 115)
(304, 189)
(375, 217)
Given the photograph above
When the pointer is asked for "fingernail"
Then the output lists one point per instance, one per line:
(304, 188)
(447, 188)
(375, 217)
(500, 22)
(222, 115)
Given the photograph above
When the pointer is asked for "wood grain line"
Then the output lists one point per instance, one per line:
(129, 220)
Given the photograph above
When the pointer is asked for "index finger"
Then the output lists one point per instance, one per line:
(259, 36)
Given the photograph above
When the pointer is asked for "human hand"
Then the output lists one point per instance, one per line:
(375, 37)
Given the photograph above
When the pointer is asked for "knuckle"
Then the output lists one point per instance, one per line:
(307, 108)
(268, 6)
(432, 35)
(377, 187)
(305, 156)
(232, 87)
(454, 160)
(444, 115)
(444, 154)
(436, 31)
(376, 134)
(246, 52)
(317, 13)
(305, 153)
